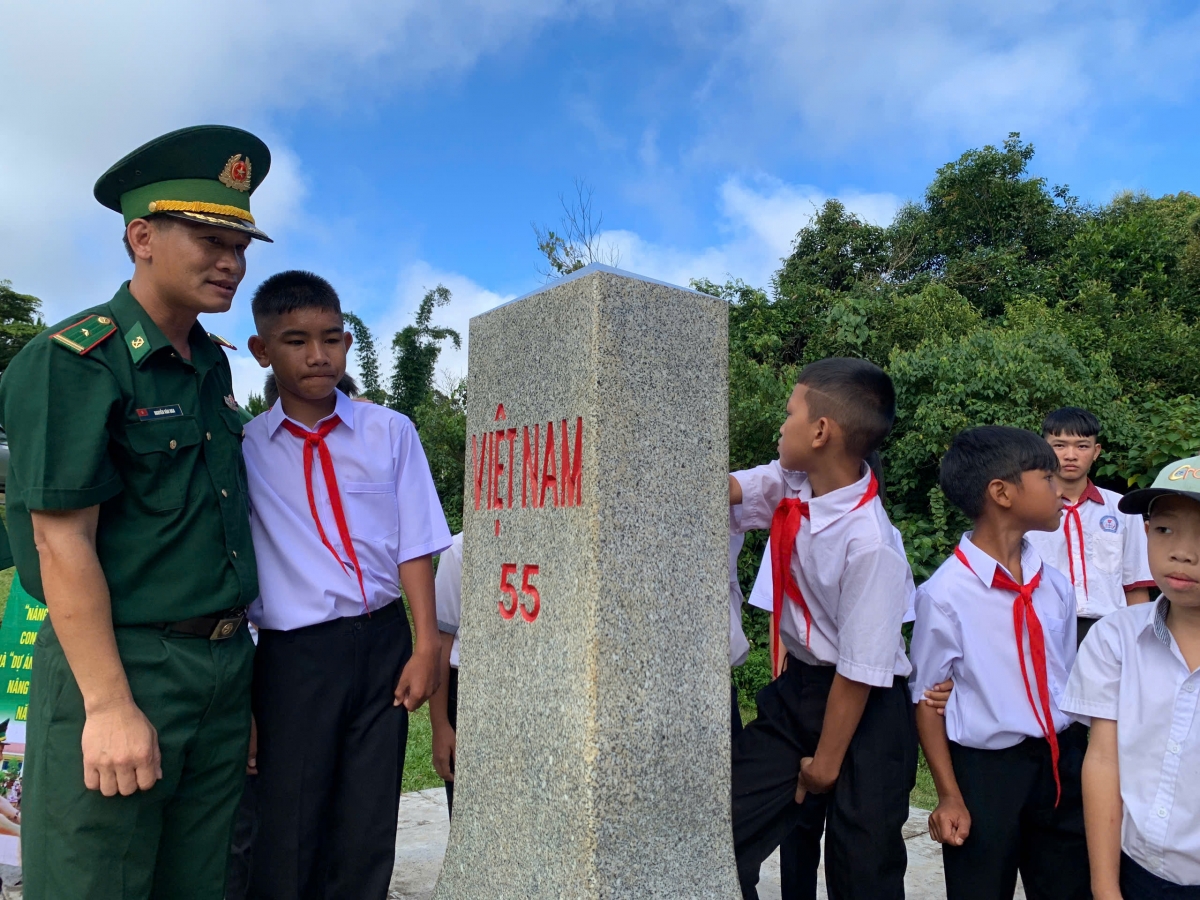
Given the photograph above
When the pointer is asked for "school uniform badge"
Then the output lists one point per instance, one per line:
(1109, 524)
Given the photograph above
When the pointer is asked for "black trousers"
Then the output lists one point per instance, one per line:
(862, 817)
(452, 715)
(1082, 626)
(1139, 884)
(1015, 825)
(330, 757)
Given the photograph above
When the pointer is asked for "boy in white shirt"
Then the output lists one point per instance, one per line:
(1137, 679)
(343, 514)
(833, 747)
(1001, 624)
(1100, 549)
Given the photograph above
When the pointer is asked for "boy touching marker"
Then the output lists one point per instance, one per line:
(443, 705)
(833, 748)
(997, 621)
(1099, 548)
(1137, 679)
(344, 515)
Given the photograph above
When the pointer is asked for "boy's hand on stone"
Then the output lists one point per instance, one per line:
(120, 750)
(938, 695)
(419, 679)
(814, 778)
(950, 823)
(445, 745)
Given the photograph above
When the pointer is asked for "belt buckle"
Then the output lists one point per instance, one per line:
(227, 627)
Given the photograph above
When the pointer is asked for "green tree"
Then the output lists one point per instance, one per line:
(256, 404)
(20, 321)
(415, 351)
(368, 359)
(578, 240)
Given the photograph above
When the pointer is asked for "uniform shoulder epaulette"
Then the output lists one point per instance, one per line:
(85, 335)
(220, 341)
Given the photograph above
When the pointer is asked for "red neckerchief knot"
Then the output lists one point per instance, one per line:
(785, 529)
(1071, 511)
(317, 439)
(1025, 619)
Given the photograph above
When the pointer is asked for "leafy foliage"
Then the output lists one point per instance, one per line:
(20, 321)
(415, 351)
(256, 404)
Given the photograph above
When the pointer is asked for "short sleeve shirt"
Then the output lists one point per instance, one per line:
(151, 438)
(447, 591)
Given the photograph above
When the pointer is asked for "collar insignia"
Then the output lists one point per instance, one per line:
(137, 342)
(236, 173)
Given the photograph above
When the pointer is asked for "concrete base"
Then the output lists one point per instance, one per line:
(421, 842)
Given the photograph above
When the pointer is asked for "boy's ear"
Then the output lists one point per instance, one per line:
(824, 433)
(258, 348)
(1001, 492)
(349, 339)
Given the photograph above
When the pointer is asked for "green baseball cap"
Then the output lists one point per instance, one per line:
(1181, 478)
(204, 174)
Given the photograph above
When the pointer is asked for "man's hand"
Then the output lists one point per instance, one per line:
(938, 695)
(252, 757)
(445, 744)
(419, 679)
(950, 823)
(815, 778)
(120, 751)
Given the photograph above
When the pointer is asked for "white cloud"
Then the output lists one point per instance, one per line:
(929, 71)
(88, 83)
(760, 217)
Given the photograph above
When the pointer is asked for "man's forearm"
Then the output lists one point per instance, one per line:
(843, 712)
(416, 578)
(931, 729)
(79, 605)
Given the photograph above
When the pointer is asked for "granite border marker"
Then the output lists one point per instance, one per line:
(593, 742)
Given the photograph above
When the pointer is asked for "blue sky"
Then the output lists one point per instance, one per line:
(415, 143)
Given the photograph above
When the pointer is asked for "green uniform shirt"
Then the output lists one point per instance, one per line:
(155, 441)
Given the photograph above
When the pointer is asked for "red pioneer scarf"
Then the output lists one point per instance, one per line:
(785, 528)
(1025, 620)
(317, 439)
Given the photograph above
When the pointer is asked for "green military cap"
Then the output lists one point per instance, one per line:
(203, 174)
(1181, 478)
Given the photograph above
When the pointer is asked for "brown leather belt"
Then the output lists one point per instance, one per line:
(217, 627)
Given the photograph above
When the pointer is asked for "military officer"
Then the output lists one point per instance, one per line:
(128, 518)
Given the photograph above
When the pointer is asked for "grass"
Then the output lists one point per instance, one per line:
(418, 755)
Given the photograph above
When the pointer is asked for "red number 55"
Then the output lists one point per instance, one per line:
(507, 611)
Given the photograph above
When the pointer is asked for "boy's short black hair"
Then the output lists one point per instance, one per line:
(978, 456)
(347, 386)
(1072, 420)
(289, 291)
(856, 394)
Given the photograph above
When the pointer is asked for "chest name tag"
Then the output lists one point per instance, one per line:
(150, 413)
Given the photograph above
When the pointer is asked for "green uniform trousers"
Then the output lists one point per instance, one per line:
(168, 843)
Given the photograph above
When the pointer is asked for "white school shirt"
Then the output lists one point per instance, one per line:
(849, 566)
(964, 631)
(762, 594)
(391, 506)
(1130, 670)
(1114, 549)
(739, 647)
(447, 590)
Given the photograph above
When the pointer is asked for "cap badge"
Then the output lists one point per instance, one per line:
(230, 402)
(236, 173)
(1184, 471)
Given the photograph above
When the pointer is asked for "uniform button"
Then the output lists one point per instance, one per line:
(234, 552)
(173, 445)
(224, 493)
(1173, 746)
(1162, 812)
(1190, 688)
(208, 435)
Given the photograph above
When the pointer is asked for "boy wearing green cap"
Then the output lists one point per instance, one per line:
(128, 515)
(1137, 680)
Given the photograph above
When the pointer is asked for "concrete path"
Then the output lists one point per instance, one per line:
(423, 827)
